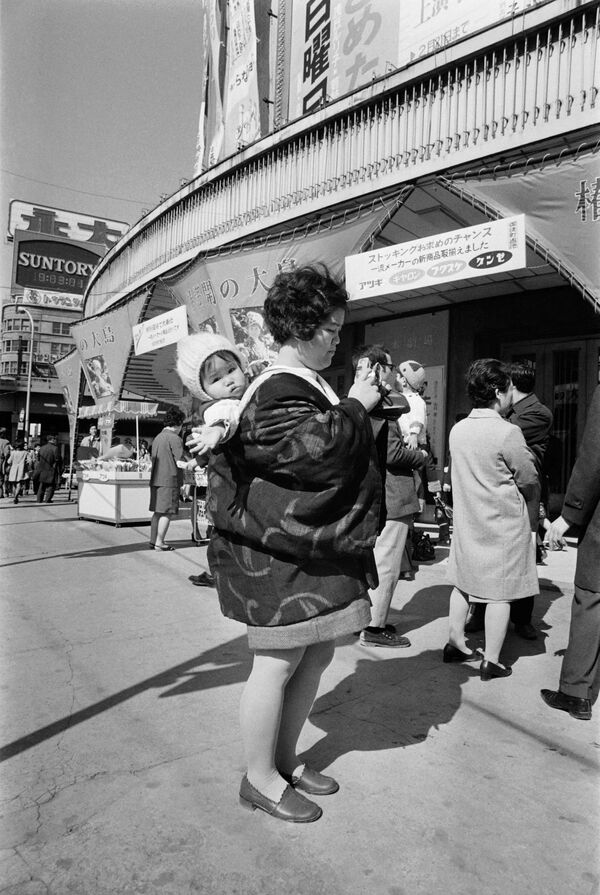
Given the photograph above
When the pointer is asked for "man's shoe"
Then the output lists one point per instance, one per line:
(313, 782)
(527, 632)
(490, 670)
(576, 706)
(383, 637)
(204, 579)
(292, 806)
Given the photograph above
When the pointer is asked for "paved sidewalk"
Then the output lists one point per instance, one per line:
(122, 759)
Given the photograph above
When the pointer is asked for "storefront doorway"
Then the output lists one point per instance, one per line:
(566, 373)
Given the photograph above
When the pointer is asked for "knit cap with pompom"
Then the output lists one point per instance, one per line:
(193, 351)
(413, 372)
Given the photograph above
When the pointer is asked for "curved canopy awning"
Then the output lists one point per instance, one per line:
(121, 410)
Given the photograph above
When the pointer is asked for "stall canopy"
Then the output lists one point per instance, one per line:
(560, 197)
(122, 410)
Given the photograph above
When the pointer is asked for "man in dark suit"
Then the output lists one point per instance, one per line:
(535, 420)
(47, 470)
(582, 507)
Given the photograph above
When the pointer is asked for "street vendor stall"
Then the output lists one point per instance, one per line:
(111, 489)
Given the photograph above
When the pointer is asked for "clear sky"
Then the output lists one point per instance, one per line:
(99, 105)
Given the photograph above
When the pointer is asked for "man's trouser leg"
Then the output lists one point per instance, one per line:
(580, 664)
(389, 548)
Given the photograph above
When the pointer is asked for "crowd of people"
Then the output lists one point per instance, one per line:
(312, 499)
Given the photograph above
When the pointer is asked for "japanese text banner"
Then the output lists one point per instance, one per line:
(479, 250)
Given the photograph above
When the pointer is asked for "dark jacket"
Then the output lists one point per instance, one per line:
(167, 449)
(582, 500)
(534, 420)
(294, 498)
(47, 468)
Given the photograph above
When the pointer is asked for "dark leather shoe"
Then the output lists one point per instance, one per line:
(204, 579)
(454, 654)
(313, 782)
(490, 670)
(576, 706)
(292, 806)
(528, 632)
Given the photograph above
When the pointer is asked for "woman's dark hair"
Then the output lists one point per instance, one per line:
(299, 301)
(174, 416)
(375, 354)
(483, 377)
(20, 444)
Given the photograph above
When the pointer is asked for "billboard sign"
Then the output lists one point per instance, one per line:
(476, 251)
(50, 265)
(338, 46)
(55, 222)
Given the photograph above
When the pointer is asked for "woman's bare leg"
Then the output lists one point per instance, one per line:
(261, 710)
(497, 615)
(459, 608)
(299, 696)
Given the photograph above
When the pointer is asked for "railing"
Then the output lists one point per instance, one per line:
(523, 90)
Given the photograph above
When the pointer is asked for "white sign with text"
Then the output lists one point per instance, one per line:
(476, 251)
(160, 331)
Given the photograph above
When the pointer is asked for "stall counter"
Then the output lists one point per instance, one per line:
(113, 496)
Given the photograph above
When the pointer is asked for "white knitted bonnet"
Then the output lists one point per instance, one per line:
(193, 350)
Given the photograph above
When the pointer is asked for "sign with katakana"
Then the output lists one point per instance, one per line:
(476, 251)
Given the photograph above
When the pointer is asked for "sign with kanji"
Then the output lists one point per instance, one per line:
(40, 219)
(165, 329)
(479, 250)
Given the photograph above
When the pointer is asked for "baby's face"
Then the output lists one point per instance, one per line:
(223, 379)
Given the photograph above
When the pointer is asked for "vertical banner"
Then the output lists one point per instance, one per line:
(214, 123)
(104, 344)
(68, 372)
(241, 104)
(200, 139)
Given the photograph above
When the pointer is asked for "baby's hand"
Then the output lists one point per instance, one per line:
(205, 438)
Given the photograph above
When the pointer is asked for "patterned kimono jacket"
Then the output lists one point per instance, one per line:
(294, 498)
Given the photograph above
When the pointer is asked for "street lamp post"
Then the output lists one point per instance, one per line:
(28, 401)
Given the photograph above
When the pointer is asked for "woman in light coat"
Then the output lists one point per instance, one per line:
(18, 468)
(492, 557)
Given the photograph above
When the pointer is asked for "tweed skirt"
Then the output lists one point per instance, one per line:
(352, 617)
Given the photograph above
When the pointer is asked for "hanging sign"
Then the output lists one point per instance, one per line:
(480, 250)
(160, 331)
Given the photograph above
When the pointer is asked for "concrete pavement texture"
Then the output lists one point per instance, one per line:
(122, 758)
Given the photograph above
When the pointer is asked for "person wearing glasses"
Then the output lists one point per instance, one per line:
(401, 500)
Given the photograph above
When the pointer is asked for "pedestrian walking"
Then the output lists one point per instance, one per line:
(492, 558)
(18, 468)
(166, 478)
(48, 470)
(581, 507)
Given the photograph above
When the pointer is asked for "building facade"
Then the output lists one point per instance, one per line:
(493, 116)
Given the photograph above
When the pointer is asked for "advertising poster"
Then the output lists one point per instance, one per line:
(225, 293)
(240, 102)
(337, 46)
(479, 250)
(104, 344)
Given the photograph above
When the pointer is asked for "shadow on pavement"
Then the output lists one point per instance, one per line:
(233, 656)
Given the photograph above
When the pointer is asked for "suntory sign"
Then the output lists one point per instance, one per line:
(52, 265)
